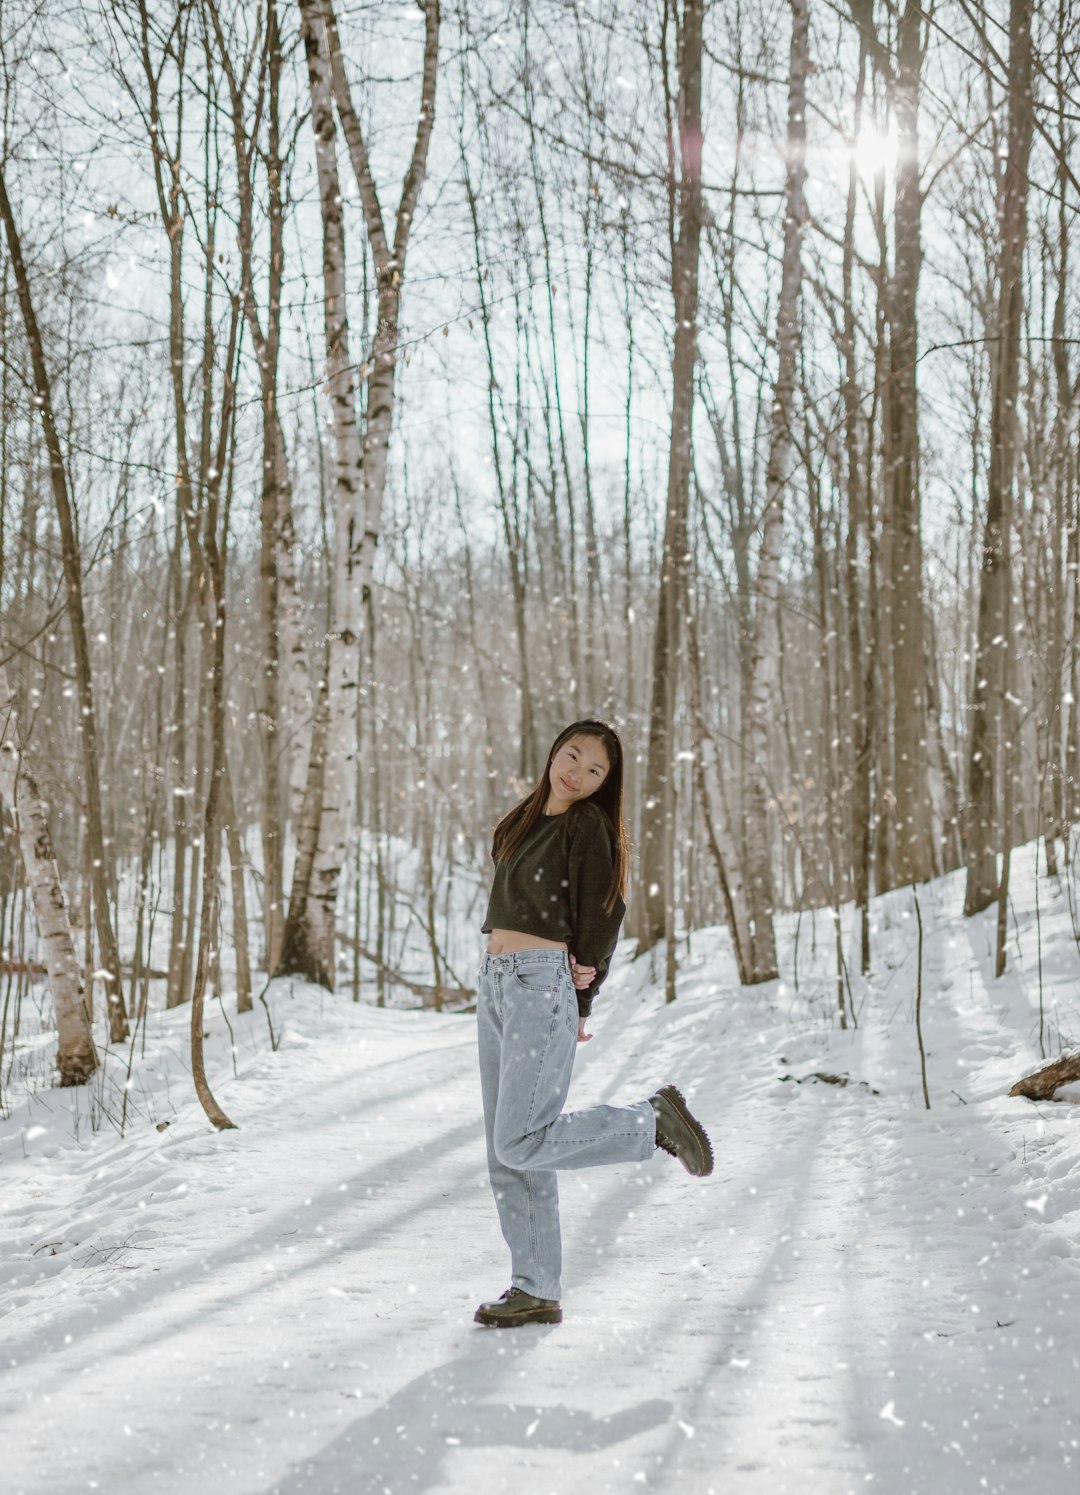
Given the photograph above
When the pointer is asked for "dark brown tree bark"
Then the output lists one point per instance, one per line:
(237, 863)
(213, 608)
(1042, 1084)
(658, 820)
(860, 655)
(910, 717)
(285, 705)
(990, 757)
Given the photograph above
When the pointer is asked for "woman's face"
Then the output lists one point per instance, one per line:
(577, 770)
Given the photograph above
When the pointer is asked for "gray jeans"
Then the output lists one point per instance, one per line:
(527, 1023)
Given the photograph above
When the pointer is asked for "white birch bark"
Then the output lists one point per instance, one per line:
(765, 649)
(73, 579)
(389, 261)
(76, 1057)
(359, 470)
(309, 939)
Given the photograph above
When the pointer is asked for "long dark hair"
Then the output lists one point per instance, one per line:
(518, 822)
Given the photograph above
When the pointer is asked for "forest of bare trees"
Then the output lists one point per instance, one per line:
(384, 385)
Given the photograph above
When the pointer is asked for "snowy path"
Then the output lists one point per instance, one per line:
(865, 1295)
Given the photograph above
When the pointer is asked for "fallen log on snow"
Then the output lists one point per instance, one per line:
(16, 965)
(1043, 1082)
(12, 965)
(429, 995)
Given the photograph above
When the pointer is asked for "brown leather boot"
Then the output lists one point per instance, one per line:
(515, 1308)
(680, 1133)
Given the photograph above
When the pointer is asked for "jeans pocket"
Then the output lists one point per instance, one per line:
(572, 1013)
(568, 993)
(539, 979)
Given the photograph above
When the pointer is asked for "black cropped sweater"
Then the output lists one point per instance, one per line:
(555, 885)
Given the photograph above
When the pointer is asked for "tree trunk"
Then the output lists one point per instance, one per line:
(860, 673)
(722, 845)
(764, 671)
(910, 718)
(309, 934)
(213, 608)
(1042, 1084)
(360, 477)
(107, 947)
(239, 897)
(658, 818)
(1060, 800)
(76, 1057)
(285, 706)
(989, 756)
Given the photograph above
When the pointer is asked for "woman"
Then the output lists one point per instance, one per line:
(561, 862)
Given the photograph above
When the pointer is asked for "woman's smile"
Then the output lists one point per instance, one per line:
(577, 770)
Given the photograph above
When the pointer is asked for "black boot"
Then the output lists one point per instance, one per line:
(515, 1308)
(680, 1133)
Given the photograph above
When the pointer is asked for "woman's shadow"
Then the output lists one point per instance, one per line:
(402, 1444)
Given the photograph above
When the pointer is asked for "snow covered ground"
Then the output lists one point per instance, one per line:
(865, 1295)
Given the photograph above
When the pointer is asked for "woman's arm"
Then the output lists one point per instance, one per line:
(584, 976)
(596, 929)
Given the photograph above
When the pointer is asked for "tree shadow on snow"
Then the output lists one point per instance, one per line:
(403, 1444)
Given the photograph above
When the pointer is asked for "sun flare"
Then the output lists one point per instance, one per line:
(875, 150)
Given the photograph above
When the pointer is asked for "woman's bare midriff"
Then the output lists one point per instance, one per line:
(511, 941)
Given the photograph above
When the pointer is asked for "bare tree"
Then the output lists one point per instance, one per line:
(285, 700)
(76, 1057)
(73, 577)
(360, 472)
(213, 573)
(990, 763)
(910, 719)
(757, 792)
(657, 918)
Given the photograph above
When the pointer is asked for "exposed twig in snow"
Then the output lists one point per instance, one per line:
(918, 1000)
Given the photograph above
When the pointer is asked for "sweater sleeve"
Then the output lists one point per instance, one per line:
(595, 930)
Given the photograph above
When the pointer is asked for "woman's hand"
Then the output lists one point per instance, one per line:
(584, 976)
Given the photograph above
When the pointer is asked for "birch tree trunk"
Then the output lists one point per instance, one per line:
(360, 472)
(76, 1057)
(72, 562)
(764, 667)
(989, 757)
(308, 947)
